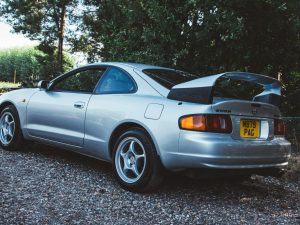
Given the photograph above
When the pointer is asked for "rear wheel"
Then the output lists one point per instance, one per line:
(11, 137)
(136, 163)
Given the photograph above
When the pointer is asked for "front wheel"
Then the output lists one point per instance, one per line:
(136, 163)
(11, 137)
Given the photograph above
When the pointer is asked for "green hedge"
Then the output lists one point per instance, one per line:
(21, 61)
(21, 64)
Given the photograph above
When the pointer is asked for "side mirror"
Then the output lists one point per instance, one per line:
(43, 84)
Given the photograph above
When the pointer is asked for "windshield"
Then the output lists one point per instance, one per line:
(169, 78)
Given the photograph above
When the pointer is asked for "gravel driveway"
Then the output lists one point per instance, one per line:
(44, 185)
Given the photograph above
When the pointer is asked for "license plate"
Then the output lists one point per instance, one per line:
(249, 128)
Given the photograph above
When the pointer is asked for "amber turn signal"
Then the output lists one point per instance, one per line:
(206, 122)
(279, 127)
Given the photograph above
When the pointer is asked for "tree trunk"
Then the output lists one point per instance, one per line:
(15, 76)
(61, 38)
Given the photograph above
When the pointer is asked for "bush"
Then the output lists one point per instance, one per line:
(20, 64)
(293, 132)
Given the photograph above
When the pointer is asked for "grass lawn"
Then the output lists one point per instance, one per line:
(5, 86)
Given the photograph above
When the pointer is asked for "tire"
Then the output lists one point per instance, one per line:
(136, 163)
(11, 137)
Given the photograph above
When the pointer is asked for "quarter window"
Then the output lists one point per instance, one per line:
(169, 78)
(83, 81)
(116, 81)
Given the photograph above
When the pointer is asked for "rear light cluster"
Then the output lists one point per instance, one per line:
(279, 127)
(206, 122)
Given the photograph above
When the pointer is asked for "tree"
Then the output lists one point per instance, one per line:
(42, 20)
(202, 37)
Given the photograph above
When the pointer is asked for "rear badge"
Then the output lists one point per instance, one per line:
(223, 110)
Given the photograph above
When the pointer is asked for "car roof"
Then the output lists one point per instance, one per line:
(138, 66)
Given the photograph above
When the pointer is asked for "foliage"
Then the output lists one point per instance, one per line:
(293, 132)
(22, 61)
(43, 21)
(202, 37)
(291, 95)
(28, 64)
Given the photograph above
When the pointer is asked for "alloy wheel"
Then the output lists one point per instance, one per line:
(130, 159)
(7, 128)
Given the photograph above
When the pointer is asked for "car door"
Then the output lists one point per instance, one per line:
(109, 104)
(58, 114)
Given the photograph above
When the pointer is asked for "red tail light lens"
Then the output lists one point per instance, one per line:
(208, 123)
(279, 127)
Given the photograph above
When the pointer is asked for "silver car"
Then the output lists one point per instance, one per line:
(147, 119)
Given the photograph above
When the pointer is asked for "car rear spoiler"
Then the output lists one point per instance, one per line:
(201, 90)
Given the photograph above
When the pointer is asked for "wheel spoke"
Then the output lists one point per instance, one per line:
(10, 132)
(125, 167)
(137, 157)
(134, 169)
(123, 155)
(6, 119)
(2, 132)
(131, 147)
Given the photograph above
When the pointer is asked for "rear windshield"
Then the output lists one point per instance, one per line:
(169, 78)
(226, 88)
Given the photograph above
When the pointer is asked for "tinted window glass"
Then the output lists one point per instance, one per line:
(116, 81)
(84, 81)
(169, 78)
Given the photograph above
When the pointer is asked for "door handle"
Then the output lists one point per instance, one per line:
(79, 105)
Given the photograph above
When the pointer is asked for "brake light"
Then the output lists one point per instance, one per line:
(208, 123)
(279, 127)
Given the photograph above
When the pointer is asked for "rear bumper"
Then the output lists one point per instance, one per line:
(220, 151)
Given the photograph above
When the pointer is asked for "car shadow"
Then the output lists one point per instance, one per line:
(257, 186)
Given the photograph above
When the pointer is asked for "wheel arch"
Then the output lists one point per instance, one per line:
(5, 104)
(123, 127)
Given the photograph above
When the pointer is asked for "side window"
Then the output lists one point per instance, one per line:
(116, 81)
(83, 81)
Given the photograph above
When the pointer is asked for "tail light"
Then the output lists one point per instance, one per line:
(279, 127)
(208, 123)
